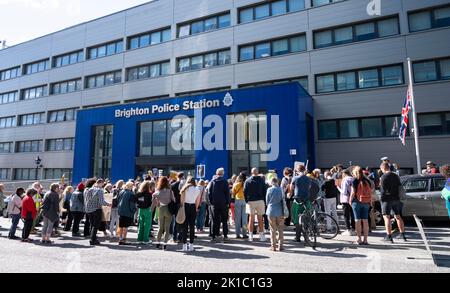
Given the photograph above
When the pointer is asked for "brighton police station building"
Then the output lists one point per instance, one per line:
(98, 98)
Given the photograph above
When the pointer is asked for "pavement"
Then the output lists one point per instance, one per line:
(75, 255)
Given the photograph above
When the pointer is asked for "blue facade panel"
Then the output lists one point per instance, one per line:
(290, 102)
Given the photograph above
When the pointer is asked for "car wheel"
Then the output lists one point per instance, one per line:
(5, 213)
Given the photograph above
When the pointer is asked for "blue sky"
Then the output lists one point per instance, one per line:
(22, 20)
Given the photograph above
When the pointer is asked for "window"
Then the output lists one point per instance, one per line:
(204, 61)
(102, 152)
(343, 35)
(320, 2)
(68, 59)
(279, 7)
(56, 174)
(325, 83)
(328, 130)
(262, 50)
(272, 48)
(372, 127)
(349, 128)
(159, 138)
(61, 144)
(280, 47)
(346, 81)
(392, 125)
(392, 75)
(25, 174)
(7, 122)
(246, 53)
(425, 71)
(155, 38)
(108, 49)
(6, 147)
(224, 21)
(31, 146)
(10, 97)
(66, 87)
(430, 124)
(296, 5)
(388, 27)
(365, 31)
(61, 115)
(4, 174)
(31, 119)
(420, 185)
(9, 73)
(36, 67)
(432, 18)
(104, 79)
(166, 35)
(302, 80)
(262, 11)
(165, 68)
(146, 71)
(368, 78)
(204, 25)
(323, 39)
(133, 43)
(246, 15)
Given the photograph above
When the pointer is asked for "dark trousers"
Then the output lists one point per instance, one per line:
(68, 225)
(220, 216)
(191, 215)
(27, 229)
(177, 229)
(14, 222)
(349, 216)
(87, 227)
(95, 219)
(77, 217)
(287, 221)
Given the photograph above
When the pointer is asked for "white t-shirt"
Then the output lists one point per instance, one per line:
(192, 193)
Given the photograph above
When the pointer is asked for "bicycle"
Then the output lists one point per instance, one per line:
(324, 230)
(308, 226)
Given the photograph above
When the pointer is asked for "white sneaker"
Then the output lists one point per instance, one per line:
(185, 247)
(250, 237)
(346, 233)
(262, 237)
(191, 247)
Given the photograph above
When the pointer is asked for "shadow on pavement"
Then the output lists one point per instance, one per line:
(218, 254)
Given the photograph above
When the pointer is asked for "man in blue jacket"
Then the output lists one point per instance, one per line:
(219, 198)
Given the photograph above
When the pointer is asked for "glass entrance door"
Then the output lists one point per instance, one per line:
(102, 158)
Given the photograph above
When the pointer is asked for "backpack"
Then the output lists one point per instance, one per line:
(364, 192)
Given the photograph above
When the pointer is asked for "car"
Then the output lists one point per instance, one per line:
(423, 198)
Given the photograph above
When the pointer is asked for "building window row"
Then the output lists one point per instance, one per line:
(369, 127)
(4, 173)
(360, 79)
(315, 3)
(37, 66)
(429, 19)
(7, 98)
(149, 38)
(357, 32)
(431, 70)
(34, 93)
(25, 174)
(67, 86)
(273, 8)
(30, 146)
(272, 48)
(205, 60)
(434, 124)
(204, 25)
(148, 71)
(62, 115)
(32, 119)
(104, 79)
(108, 49)
(57, 173)
(9, 73)
(8, 122)
(60, 144)
(6, 147)
(68, 59)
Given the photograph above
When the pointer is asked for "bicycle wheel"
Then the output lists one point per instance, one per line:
(309, 231)
(323, 230)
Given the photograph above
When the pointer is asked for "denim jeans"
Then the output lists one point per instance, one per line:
(114, 221)
(240, 217)
(201, 216)
(15, 221)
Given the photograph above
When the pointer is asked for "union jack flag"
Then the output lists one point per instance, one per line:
(405, 117)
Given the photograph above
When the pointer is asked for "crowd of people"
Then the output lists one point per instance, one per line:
(183, 207)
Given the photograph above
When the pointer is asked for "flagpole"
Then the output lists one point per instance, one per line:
(416, 125)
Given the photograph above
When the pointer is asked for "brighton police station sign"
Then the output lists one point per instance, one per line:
(171, 108)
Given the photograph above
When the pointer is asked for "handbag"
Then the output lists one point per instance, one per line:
(181, 215)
